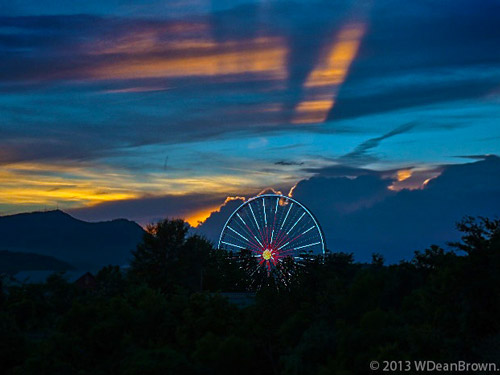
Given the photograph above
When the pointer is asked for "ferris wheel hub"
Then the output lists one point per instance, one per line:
(267, 254)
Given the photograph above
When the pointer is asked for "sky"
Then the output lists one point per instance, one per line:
(152, 109)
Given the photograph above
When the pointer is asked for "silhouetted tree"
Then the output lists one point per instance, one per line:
(481, 234)
(156, 259)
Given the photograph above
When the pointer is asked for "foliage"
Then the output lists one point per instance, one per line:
(164, 316)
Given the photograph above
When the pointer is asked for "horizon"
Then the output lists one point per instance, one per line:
(363, 215)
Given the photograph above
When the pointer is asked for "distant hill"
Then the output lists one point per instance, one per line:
(82, 244)
(14, 262)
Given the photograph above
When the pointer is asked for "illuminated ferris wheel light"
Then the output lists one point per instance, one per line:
(272, 227)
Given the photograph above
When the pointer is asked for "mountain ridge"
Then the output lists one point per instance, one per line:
(85, 245)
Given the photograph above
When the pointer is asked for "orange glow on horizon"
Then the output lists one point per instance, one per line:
(41, 184)
(197, 218)
(34, 186)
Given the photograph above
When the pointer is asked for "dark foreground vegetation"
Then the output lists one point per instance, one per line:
(163, 316)
(12, 262)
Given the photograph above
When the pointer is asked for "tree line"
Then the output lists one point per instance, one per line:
(165, 315)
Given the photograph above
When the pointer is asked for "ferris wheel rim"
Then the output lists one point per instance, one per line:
(316, 222)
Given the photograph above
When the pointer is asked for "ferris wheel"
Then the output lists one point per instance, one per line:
(272, 227)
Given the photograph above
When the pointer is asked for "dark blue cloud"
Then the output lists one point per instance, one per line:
(410, 42)
(360, 154)
(362, 216)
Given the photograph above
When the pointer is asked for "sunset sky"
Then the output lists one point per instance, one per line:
(148, 109)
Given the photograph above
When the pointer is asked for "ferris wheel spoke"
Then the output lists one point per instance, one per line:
(284, 240)
(264, 209)
(256, 241)
(286, 231)
(249, 242)
(306, 245)
(260, 243)
(280, 238)
(258, 226)
(250, 231)
(274, 221)
(242, 236)
(293, 226)
(284, 234)
(286, 253)
(244, 222)
(286, 216)
(232, 244)
(300, 235)
(253, 238)
(240, 247)
(282, 246)
(256, 223)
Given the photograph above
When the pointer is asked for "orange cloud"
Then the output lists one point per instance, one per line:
(265, 56)
(323, 82)
(290, 193)
(196, 218)
(269, 190)
(404, 174)
(412, 179)
(36, 185)
(312, 111)
(30, 184)
(334, 68)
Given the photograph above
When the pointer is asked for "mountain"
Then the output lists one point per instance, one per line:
(82, 244)
(13, 262)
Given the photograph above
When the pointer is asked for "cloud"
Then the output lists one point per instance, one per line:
(423, 62)
(361, 215)
(231, 70)
(342, 195)
(288, 163)
(323, 82)
(146, 210)
(213, 225)
(359, 155)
